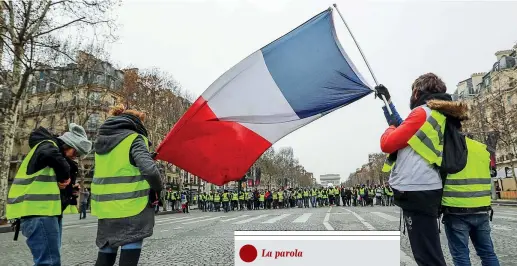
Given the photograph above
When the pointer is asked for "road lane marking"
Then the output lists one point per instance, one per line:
(210, 219)
(88, 226)
(365, 223)
(251, 219)
(506, 213)
(387, 216)
(303, 218)
(173, 219)
(501, 227)
(505, 217)
(77, 225)
(407, 260)
(179, 227)
(235, 218)
(184, 220)
(276, 219)
(326, 220)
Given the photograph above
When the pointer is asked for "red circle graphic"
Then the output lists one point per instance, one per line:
(248, 253)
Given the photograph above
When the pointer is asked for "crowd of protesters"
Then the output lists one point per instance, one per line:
(311, 197)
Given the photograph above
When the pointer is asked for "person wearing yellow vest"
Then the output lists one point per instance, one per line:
(242, 201)
(421, 149)
(261, 200)
(235, 200)
(42, 190)
(225, 198)
(125, 182)
(280, 194)
(305, 198)
(217, 201)
(466, 208)
(211, 201)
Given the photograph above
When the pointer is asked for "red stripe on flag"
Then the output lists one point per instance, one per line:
(216, 151)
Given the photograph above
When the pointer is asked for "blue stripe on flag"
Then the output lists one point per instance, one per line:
(310, 69)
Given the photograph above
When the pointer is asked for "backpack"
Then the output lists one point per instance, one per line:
(454, 157)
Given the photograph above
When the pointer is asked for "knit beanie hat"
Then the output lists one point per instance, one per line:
(76, 138)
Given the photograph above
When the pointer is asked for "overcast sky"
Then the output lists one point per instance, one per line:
(197, 41)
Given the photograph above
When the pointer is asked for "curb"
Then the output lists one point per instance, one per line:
(5, 229)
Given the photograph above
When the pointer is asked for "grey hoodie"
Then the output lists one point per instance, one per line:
(117, 232)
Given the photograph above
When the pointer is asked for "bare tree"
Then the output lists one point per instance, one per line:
(369, 173)
(31, 41)
(501, 116)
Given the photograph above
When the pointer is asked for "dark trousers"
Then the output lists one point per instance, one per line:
(82, 215)
(424, 237)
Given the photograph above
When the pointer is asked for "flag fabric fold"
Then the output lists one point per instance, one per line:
(278, 89)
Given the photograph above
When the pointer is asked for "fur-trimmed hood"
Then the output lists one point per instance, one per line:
(455, 109)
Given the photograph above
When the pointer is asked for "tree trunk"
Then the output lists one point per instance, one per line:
(2, 32)
(7, 129)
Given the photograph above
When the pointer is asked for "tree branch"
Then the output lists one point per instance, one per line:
(59, 27)
(39, 20)
(11, 19)
(26, 19)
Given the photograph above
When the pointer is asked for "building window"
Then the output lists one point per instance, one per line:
(93, 122)
(94, 97)
(71, 118)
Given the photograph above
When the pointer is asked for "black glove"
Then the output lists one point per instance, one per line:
(153, 155)
(392, 121)
(380, 91)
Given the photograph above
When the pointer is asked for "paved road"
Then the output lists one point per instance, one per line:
(207, 238)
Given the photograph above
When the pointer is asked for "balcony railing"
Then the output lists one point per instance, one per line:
(70, 105)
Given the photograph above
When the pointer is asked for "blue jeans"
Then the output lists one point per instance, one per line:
(135, 245)
(459, 228)
(43, 238)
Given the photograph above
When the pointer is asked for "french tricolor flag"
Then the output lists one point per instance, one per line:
(278, 89)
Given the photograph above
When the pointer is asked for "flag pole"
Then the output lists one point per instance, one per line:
(364, 58)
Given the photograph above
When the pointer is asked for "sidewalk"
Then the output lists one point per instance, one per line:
(71, 219)
(503, 202)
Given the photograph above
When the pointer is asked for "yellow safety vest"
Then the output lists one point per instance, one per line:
(118, 188)
(217, 198)
(261, 198)
(241, 196)
(428, 140)
(225, 197)
(35, 194)
(235, 196)
(471, 187)
(275, 196)
(388, 165)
